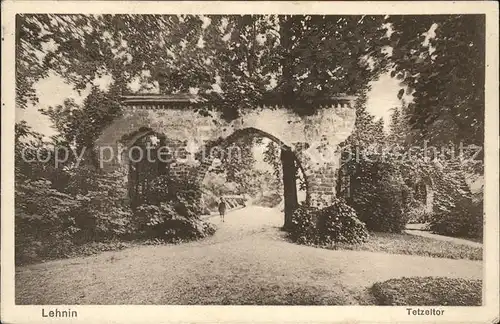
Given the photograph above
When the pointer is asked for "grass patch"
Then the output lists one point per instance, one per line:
(80, 250)
(415, 245)
(237, 290)
(428, 291)
(95, 248)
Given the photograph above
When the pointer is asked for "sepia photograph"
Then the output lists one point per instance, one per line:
(258, 159)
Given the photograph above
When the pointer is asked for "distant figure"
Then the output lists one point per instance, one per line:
(222, 208)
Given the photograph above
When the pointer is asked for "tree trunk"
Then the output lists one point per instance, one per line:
(289, 185)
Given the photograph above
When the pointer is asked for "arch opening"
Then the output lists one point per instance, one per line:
(144, 165)
(292, 168)
(141, 172)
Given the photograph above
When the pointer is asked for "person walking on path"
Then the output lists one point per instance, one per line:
(222, 208)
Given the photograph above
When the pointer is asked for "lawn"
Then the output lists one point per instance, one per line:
(415, 245)
(247, 261)
(428, 291)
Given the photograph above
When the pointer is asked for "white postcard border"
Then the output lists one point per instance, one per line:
(11, 313)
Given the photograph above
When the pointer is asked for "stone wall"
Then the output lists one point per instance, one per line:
(314, 139)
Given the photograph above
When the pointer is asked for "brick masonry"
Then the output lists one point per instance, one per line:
(314, 139)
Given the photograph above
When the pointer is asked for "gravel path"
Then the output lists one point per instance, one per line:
(247, 261)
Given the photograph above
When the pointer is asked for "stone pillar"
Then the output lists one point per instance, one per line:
(322, 186)
(289, 184)
(112, 162)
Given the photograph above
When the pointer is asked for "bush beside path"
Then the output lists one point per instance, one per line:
(247, 261)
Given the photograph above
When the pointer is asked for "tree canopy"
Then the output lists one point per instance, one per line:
(445, 73)
(240, 61)
(317, 55)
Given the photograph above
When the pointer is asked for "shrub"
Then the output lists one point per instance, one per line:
(164, 222)
(336, 223)
(303, 229)
(103, 212)
(417, 214)
(270, 200)
(83, 179)
(457, 211)
(428, 291)
(185, 195)
(51, 224)
(380, 187)
(60, 210)
(44, 225)
(188, 203)
(465, 219)
(378, 196)
(160, 190)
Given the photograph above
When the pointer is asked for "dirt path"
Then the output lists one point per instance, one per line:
(246, 262)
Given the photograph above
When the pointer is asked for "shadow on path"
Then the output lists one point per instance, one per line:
(247, 261)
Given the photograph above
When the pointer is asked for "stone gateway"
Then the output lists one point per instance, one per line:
(313, 140)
